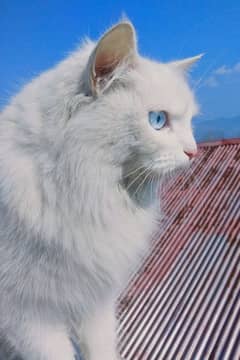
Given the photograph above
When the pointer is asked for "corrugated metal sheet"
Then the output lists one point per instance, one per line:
(185, 302)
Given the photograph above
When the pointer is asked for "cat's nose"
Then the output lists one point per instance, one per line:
(191, 154)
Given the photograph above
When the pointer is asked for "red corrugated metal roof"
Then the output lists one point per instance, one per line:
(185, 302)
(233, 141)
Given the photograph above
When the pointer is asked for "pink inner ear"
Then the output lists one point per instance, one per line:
(105, 64)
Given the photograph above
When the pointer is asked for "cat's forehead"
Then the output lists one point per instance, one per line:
(164, 88)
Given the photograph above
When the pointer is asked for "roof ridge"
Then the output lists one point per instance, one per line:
(231, 141)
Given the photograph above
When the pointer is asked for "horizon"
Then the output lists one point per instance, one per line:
(43, 35)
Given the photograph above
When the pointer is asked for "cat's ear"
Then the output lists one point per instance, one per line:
(117, 47)
(187, 63)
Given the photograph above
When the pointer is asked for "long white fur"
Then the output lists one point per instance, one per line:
(77, 211)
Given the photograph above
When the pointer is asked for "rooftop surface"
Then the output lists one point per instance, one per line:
(184, 303)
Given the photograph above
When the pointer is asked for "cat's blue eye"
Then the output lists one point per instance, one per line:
(157, 119)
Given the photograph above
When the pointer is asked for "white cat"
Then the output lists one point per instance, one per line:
(83, 148)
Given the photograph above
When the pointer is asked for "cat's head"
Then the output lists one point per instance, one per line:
(109, 113)
(139, 111)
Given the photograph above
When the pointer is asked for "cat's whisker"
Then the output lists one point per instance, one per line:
(135, 179)
(143, 181)
(158, 215)
(133, 171)
(203, 76)
(151, 187)
(156, 185)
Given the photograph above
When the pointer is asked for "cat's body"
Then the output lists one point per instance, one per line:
(74, 149)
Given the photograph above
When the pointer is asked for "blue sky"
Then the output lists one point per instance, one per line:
(35, 34)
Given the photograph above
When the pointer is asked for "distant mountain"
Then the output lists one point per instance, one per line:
(217, 129)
